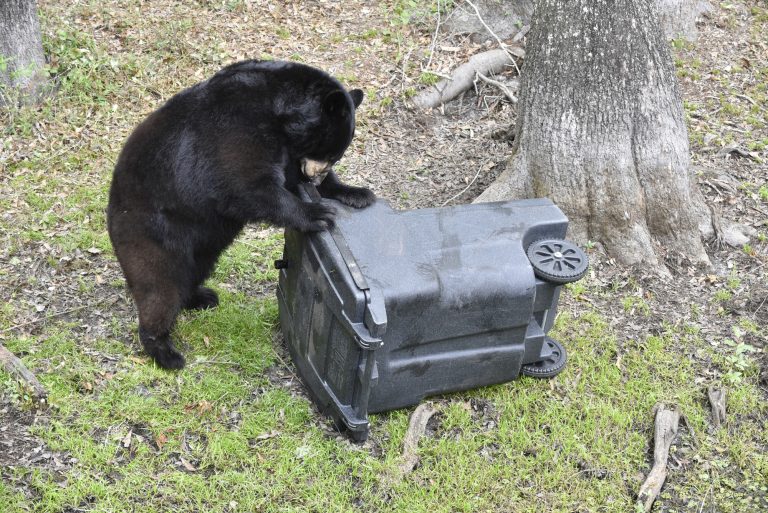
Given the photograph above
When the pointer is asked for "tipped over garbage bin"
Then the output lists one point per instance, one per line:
(391, 306)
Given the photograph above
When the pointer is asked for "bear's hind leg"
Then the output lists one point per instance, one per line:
(162, 350)
(156, 283)
(199, 297)
(157, 314)
(202, 298)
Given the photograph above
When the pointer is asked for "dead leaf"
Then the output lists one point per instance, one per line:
(187, 465)
(267, 436)
(160, 440)
(126, 441)
(201, 407)
(204, 406)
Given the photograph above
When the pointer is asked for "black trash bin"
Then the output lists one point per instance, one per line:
(392, 306)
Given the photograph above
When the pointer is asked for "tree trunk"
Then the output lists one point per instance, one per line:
(506, 17)
(21, 52)
(601, 132)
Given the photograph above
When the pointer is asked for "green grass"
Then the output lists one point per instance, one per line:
(577, 441)
(227, 433)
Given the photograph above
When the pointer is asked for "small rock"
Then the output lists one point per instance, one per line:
(737, 235)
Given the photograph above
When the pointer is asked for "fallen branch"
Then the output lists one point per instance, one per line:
(666, 425)
(717, 402)
(463, 77)
(14, 366)
(416, 428)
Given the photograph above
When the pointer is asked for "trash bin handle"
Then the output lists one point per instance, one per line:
(308, 191)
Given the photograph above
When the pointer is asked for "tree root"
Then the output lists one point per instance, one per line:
(463, 77)
(717, 400)
(16, 367)
(667, 420)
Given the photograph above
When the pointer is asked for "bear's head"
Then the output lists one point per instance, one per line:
(333, 134)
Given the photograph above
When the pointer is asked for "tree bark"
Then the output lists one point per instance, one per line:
(678, 17)
(506, 17)
(22, 61)
(601, 132)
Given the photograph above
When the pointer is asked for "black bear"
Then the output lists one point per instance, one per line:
(225, 152)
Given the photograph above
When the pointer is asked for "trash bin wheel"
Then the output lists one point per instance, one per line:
(551, 364)
(557, 261)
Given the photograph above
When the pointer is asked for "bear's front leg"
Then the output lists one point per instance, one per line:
(280, 207)
(356, 197)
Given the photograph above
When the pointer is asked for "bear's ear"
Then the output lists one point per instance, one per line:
(357, 97)
(335, 103)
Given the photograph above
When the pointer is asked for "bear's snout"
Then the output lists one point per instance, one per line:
(315, 170)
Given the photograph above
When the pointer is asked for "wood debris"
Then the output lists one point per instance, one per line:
(16, 367)
(667, 422)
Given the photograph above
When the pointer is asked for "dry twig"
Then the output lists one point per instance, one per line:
(93, 304)
(13, 365)
(520, 35)
(667, 420)
(717, 398)
(504, 88)
(485, 163)
(492, 33)
(416, 428)
(434, 39)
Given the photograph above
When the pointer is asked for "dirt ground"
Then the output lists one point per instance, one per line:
(427, 159)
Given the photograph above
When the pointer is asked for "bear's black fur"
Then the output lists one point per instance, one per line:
(225, 152)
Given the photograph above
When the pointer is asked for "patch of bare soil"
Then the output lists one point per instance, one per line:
(418, 160)
(21, 450)
(48, 286)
